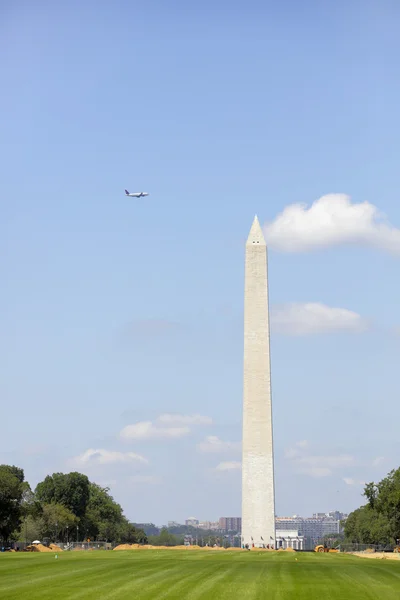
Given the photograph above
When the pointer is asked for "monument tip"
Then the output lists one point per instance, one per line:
(256, 235)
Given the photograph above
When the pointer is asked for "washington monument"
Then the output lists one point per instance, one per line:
(258, 497)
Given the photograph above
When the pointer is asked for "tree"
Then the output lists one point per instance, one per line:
(104, 519)
(128, 534)
(71, 490)
(103, 515)
(378, 522)
(30, 505)
(11, 491)
(165, 538)
(30, 530)
(56, 518)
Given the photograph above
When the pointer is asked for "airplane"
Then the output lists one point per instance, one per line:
(136, 194)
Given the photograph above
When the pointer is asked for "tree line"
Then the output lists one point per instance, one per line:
(378, 521)
(63, 507)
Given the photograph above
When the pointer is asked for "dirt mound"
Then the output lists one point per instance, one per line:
(290, 550)
(38, 548)
(380, 555)
(55, 548)
(123, 547)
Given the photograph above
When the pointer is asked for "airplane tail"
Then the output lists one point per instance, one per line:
(126, 192)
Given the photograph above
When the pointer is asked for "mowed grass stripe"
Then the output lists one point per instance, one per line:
(179, 587)
(192, 575)
(106, 583)
(366, 581)
(13, 582)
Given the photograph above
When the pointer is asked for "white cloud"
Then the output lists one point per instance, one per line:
(351, 481)
(146, 430)
(316, 465)
(333, 462)
(167, 426)
(316, 471)
(314, 317)
(302, 444)
(377, 461)
(331, 220)
(149, 479)
(175, 419)
(107, 457)
(212, 443)
(228, 466)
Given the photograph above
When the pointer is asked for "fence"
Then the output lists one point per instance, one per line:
(85, 546)
(20, 546)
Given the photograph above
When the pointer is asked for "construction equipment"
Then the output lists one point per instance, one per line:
(322, 548)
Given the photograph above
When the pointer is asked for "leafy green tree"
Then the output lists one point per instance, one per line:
(30, 505)
(103, 515)
(30, 530)
(165, 538)
(128, 534)
(104, 519)
(378, 522)
(11, 492)
(72, 490)
(55, 520)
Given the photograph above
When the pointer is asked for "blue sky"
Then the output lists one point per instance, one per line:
(117, 311)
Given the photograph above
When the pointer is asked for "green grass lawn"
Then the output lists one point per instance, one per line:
(196, 575)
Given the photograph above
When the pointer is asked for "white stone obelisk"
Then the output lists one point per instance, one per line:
(258, 495)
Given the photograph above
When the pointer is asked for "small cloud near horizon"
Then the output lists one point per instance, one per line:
(166, 426)
(351, 481)
(316, 465)
(310, 318)
(145, 479)
(229, 466)
(107, 457)
(213, 444)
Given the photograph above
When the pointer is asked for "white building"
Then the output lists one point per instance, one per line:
(289, 539)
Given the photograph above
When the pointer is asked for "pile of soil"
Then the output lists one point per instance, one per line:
(38, 548)
(55, 548)
(380, 555)
(123, 547)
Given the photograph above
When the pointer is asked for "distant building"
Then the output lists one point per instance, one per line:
(230, 523)
(339, 516)
(173, 524)
(289, 539)
(192, 522)
(315, 527)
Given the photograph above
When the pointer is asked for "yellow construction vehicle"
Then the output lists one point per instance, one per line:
(322, 548)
